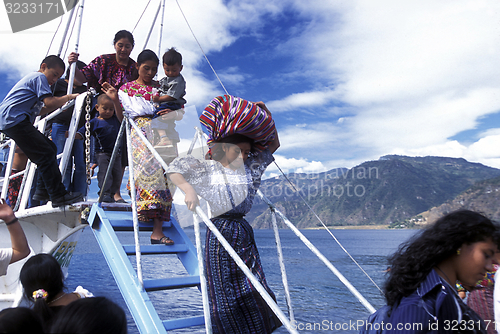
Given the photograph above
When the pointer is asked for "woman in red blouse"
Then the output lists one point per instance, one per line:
(115, 68)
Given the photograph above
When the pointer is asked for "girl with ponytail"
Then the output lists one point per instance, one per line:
(43, 284)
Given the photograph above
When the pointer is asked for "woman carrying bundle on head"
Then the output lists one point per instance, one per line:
(242, 138)
(43, 284)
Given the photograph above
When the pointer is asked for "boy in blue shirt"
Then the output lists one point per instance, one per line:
(30, 97)
(105, 129)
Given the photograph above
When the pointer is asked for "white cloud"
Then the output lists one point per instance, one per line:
(213, 35)
(293, 165)
(389, 51)
(232, 77)
(490, 132)
(379, 77)
(449, 149)
(310, 136)
(485, 150)
(432, 121)
(413, 73)
(301, 100)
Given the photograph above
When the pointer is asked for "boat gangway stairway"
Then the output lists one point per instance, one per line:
(105, 223)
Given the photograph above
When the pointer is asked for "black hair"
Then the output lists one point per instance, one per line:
(53, 61)
(415, 258)
(124, 34)
(102, 97)
(42, 271)
(20, 320)
(147, 55)
(217, 153)
(172, 57)
(91, 315)
(79, 65)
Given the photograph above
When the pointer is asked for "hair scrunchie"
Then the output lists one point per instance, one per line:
(40, 293)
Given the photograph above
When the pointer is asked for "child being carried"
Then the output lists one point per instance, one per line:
(172, 90)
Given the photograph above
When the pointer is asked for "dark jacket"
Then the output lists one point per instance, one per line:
(434, 307)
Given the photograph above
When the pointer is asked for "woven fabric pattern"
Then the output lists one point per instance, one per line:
(152, 194)
(227, 115)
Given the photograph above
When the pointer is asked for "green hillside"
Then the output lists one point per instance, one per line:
(388, 190)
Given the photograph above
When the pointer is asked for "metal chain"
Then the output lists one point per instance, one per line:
(87, 135)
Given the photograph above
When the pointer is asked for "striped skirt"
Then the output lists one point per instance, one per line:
(235, 305)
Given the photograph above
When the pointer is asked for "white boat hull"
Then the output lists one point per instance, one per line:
(48, 230)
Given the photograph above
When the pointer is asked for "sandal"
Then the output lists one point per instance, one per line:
(121, 200)
(164, 240)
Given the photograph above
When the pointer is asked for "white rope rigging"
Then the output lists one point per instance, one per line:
(65, 40)
(202, 51)
(326, 228)
(140, 17)
(54, 36)
(69, 38)
(310, 208)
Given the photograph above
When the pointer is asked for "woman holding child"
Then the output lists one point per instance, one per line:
(153, 197)
(229, 183)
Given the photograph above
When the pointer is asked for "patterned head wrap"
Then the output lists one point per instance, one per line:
(227, 115)
(40, 293)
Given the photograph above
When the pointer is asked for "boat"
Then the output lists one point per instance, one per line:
(56, 231)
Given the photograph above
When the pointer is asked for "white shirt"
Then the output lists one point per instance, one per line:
(5, 257)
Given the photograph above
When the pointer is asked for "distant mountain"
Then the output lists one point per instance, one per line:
(388, 190)
(483, 197)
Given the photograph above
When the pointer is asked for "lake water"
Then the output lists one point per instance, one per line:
(318, 297)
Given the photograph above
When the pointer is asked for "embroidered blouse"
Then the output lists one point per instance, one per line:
(488, 279)
(105, 68)
(137, 99)
(226, 190)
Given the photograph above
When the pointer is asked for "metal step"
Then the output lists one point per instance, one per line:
(137, 299)
(156, 249)
(122, 221)
(104, 225)
(171, 283)
(183, 323)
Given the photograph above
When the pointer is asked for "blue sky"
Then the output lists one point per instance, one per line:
(346, 81)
